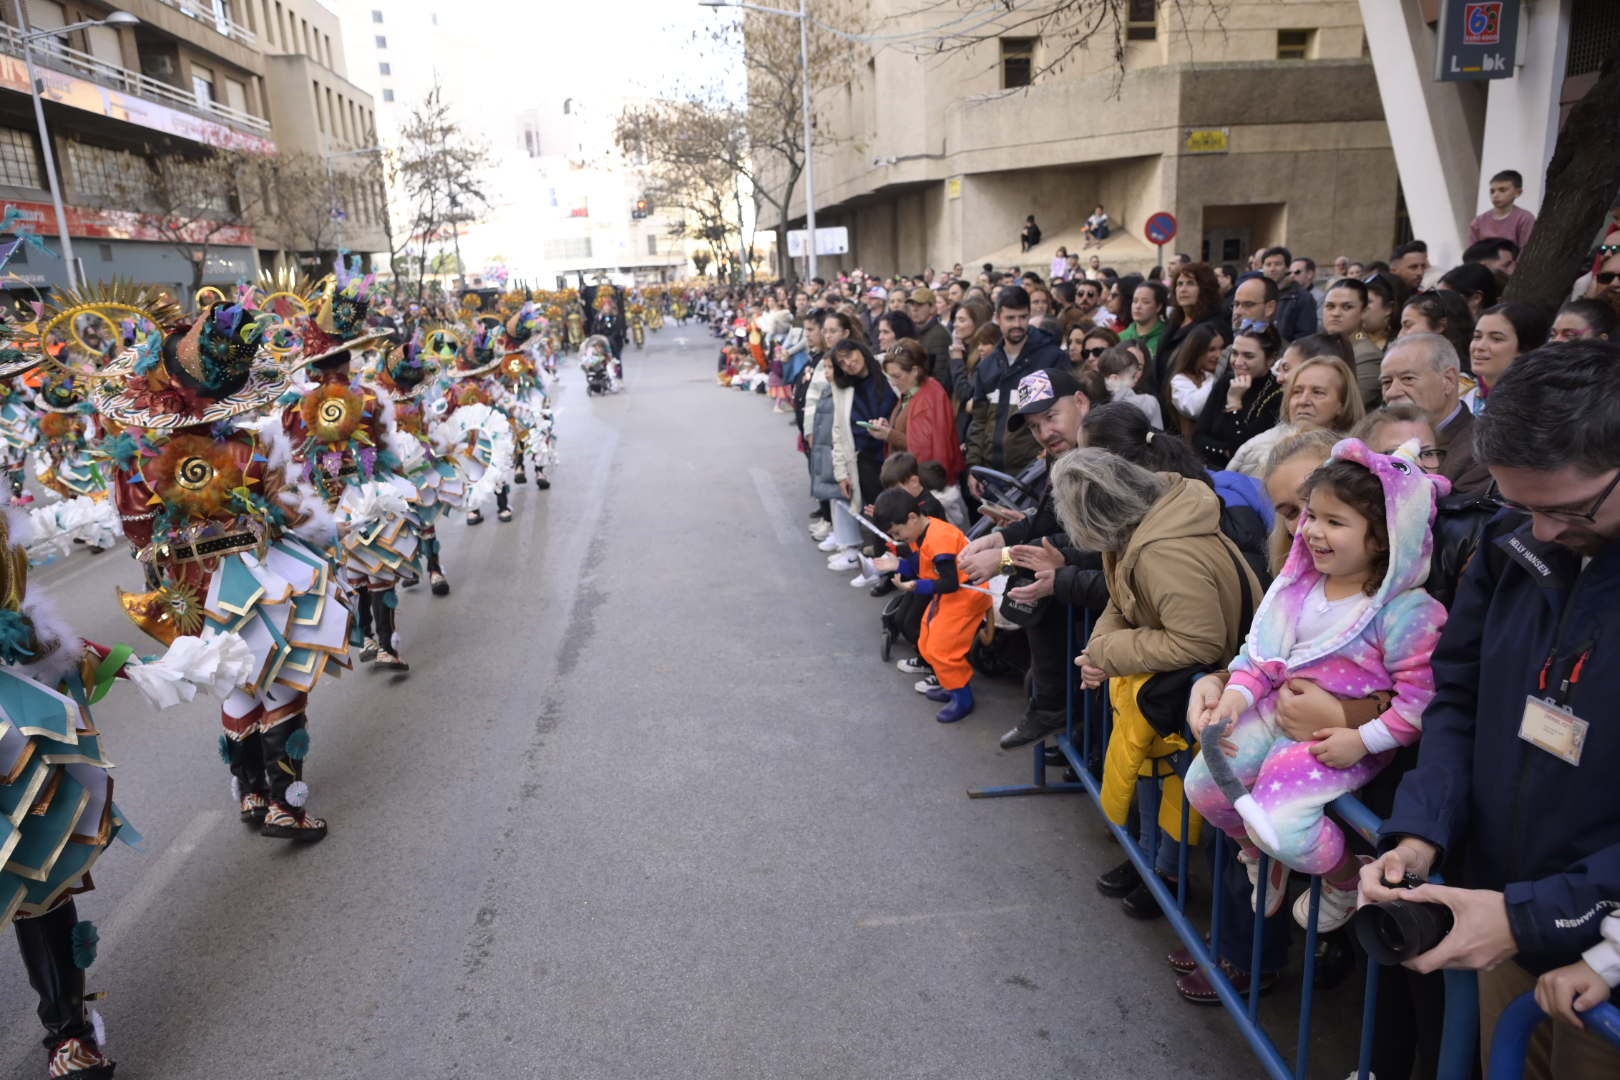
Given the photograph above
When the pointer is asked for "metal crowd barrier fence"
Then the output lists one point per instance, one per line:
(1087, 731)
(1520, 1020)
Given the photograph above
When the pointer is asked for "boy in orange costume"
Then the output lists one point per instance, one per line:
(927, 564)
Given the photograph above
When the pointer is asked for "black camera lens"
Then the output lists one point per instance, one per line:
(1398, 930)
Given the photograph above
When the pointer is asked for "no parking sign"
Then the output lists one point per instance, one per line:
(1160, 228)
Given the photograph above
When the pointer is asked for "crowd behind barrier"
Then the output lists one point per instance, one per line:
(1354, 536)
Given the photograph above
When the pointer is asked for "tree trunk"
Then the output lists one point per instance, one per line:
(1583, 180)
(198, 268)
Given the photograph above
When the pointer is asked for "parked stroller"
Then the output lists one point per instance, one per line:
(600, 368)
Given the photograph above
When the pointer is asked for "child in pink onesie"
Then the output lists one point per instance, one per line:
(1349, 613)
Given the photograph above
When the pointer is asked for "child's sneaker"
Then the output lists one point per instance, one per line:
(914, 666)
(1276, 881)
(926, 683)
(1337, 906)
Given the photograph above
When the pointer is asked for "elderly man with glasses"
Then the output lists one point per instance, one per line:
(1514, 791)
(1424, 369)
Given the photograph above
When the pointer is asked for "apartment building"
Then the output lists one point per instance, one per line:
(315, 109)
(1253, 122)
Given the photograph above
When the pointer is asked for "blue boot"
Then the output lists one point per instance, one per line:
(936, 693)
(961, 704)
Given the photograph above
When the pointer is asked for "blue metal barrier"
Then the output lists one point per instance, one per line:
(1518, 1023)
(1460, 1036)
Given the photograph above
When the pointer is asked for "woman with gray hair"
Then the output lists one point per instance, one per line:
(1179, 594)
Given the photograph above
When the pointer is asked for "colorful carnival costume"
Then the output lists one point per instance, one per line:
(530, 405)
(209, 506)
(19, 428)
(403, 378)
(68, 461)
(340, 434)
(56, 810)
(474, 430)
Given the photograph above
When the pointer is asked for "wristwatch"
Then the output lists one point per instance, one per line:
(1006, 558)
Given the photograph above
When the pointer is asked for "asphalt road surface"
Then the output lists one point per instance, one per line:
(648, 805)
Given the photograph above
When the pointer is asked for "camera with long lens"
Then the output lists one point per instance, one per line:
(1397, 930)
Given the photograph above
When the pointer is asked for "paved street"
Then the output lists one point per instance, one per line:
(647, 806)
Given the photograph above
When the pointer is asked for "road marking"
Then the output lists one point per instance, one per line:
(131, 912)
(775, 509)
(876, 922)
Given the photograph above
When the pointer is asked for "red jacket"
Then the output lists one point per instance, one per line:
(931, 429)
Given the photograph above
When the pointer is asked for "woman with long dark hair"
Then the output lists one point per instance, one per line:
(1245, 401)
(1197, 297)
(861, 397)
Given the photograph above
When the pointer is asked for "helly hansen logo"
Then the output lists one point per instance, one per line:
(1528, 557)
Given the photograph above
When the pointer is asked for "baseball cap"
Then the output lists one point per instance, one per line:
(1039, 391)
(878, 291)
(924, 295)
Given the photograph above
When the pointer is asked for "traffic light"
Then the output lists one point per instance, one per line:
(640, 210)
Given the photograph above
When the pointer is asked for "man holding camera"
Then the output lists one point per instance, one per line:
(1514, 787)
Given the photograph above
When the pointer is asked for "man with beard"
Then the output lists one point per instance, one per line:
(991, 440)
(1051, 404)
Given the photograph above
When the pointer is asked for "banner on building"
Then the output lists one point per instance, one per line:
(1477, 39)
(97, 224)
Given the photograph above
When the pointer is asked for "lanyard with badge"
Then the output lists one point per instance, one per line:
(1548, 724)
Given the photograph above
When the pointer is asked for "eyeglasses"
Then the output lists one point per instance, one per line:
(1431, 456)
(1607, 277)
(1588, 516)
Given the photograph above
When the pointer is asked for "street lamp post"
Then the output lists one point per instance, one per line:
(115, 19)
(803, 15)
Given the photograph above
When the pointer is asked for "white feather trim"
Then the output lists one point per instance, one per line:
(215, 665)
(98, 1030)
(318, 525)
(371, 502)
(51, 629)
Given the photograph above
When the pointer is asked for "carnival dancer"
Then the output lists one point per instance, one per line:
(474, 430)
(530, 405)
(209, 505)
(340, 434)
(19, 428)
(404, 376)
(68, 463)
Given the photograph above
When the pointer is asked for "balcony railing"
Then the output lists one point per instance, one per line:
(49, 53)
(205, 13)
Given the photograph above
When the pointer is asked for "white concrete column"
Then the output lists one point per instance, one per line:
(1521, 116)
(1433, 127)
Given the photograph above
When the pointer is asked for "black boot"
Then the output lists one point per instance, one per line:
(46, 943)
(284, 748)
(436, 579)
(503, 512)
(246, 759)
(382, 606)
(540, 481)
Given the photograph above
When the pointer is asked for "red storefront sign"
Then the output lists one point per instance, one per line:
(95, 224)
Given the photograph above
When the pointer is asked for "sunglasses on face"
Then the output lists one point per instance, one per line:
(1092, 354)
(1607, 277)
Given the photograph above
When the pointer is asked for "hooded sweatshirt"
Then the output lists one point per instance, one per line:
(1383, 644)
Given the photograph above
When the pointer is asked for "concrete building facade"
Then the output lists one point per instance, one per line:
(1252, 122)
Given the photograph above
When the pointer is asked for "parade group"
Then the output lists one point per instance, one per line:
(280, 462)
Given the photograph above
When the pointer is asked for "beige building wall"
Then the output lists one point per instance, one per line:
(929, 161)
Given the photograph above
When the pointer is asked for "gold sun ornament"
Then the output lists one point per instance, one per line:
(194, 474)
(165, 613)
(332, 413)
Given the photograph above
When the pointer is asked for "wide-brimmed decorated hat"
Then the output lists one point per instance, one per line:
(524, 323)
(481, 353)
(214, 369)
(61, 391)
(337, 325)
(410, 368)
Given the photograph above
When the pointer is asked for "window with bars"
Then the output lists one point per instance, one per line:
(1295, 44)
(1142, 20)
(19, 159)
(110, 174)
(1017, 62)
(1594, 35)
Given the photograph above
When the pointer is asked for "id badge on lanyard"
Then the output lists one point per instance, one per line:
(1550, 727)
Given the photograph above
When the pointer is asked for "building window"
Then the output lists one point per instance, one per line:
(109, 174)
(376, 16)
(382, 42)
(1295, 44)
(388, 95)
(106, 252)
(652, 244)
(19, 159)
(202, 84)
(568, 247)
(385, 69)
(1017, 62)
(1142, 20)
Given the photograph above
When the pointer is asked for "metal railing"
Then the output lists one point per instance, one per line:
(226, 25)
(51, 54)
(1087, 728)
(1520, 1020)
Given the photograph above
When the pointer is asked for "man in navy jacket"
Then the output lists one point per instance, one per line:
(1518, 780)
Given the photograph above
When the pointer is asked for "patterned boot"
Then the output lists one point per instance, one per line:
(49, 946)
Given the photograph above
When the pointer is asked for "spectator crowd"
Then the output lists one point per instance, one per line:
(1330, 532)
